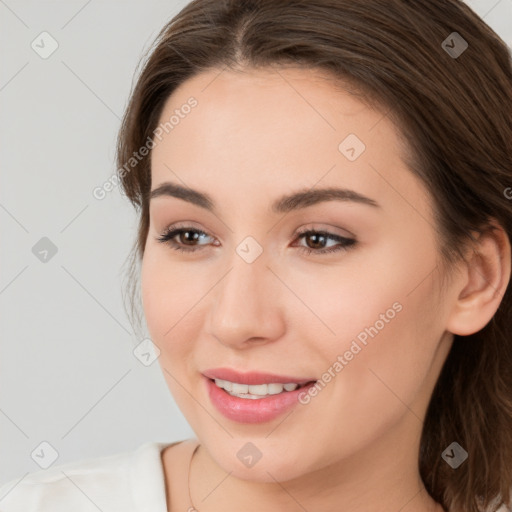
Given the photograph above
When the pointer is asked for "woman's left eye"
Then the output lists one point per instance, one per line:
(317, 238)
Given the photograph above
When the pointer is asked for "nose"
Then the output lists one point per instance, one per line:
(246, 308)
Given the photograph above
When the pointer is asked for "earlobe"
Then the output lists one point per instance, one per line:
(486, 277)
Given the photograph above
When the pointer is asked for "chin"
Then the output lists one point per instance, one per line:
(257, 460)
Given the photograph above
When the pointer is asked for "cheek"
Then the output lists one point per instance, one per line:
(388, 344)
(175, 304)
(386, 327)
(170, 293)
(153, 298)
(167, 302)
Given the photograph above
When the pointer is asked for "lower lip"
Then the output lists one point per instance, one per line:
(248, 410)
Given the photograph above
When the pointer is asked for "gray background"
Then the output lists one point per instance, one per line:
(68, 375)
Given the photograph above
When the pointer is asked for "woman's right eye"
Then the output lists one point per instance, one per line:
(168, 238)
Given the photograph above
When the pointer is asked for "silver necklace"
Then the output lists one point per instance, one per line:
(193, 509)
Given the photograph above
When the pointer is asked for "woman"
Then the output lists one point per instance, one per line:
(324, 193)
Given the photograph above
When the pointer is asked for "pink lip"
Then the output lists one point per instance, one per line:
(247, 410)
(252, 377)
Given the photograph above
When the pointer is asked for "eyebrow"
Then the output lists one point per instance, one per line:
(284, 204)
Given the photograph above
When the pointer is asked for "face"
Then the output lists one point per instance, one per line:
(339, 295)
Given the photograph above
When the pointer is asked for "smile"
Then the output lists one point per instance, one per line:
(255, 391)
(253, 397)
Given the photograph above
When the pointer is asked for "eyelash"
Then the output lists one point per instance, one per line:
(346, 243)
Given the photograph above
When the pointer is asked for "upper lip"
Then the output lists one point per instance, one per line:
(252, 378)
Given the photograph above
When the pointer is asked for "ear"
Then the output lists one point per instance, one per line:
(486, 275)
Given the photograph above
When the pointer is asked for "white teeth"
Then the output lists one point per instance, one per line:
(274, 389)
(258, 389)
(228, 386)
(239, 388)
(254, 390)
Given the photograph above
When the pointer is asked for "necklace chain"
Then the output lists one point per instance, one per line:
(193, 509)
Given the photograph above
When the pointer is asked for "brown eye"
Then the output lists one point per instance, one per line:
(188, 235)
(319, 240)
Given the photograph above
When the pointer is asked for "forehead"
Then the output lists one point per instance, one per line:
(277, 128)
(264, 101)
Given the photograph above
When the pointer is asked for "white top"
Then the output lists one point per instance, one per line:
(131, 481)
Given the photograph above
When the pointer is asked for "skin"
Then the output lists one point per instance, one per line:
(254, 136)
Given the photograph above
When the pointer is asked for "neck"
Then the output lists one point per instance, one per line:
(384, 477)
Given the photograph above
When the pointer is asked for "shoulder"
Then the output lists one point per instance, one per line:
(100, 483)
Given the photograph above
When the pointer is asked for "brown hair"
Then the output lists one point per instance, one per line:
(454, 112)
